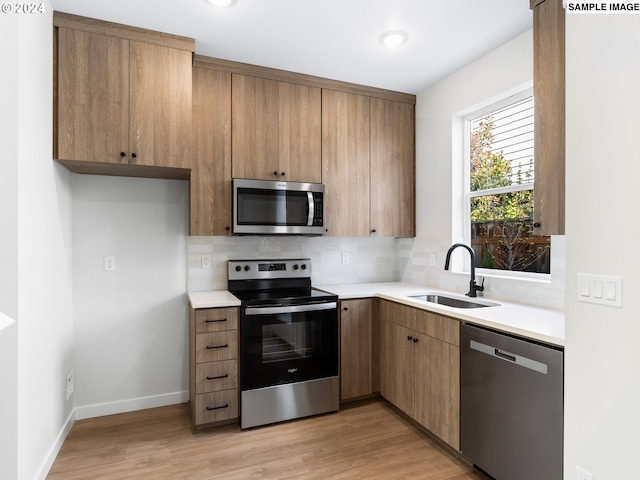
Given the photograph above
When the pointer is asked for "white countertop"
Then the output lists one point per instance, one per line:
(541, 324)
(213, 299)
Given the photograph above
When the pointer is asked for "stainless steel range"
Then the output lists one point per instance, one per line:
(288, 342)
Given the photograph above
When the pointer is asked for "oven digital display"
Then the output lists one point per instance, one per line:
(271, 267)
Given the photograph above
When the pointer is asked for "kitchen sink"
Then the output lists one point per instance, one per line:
(452, 301)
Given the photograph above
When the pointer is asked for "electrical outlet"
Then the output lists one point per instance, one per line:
(69, 384)
(109, 263)
(345, 257)
(206, 261)
(583, 474)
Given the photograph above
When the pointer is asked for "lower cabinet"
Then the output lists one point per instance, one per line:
(213, 366)
(356, 342)
(420, 367)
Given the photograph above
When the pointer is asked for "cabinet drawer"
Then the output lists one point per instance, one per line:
(215, 376)
(216, 406)
(216, 346)
(216, 319)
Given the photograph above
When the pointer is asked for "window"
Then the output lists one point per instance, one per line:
(499, 195)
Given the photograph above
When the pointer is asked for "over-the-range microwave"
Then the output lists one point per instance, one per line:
(271, 207)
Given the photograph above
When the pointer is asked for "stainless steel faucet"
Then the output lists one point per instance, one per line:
(473, 288)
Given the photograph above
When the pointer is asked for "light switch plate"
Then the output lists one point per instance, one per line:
(600, 289)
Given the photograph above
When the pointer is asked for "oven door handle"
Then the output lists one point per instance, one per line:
(314, 307)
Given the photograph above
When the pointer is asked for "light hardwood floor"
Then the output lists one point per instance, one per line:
(367, 440)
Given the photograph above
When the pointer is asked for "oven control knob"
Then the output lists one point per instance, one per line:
(238, 268)
(295, 267)
(303, 266)
(247, 268)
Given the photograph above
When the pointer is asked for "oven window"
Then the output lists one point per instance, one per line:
(286, 341)
(286, 348)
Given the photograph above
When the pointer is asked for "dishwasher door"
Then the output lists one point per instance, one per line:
(512, 406)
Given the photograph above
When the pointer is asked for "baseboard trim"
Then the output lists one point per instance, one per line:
(55, 448)
(131, 405)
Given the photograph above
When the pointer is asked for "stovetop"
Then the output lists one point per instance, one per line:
(284, 296)
(274, 282)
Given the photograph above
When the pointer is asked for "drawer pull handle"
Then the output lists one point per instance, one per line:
(218, 377)
(210, 347)
(226, 405)
(214, 321)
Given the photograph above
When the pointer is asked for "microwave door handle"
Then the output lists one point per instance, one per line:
(311, 208)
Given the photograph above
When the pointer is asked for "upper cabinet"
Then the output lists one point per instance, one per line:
(368, 163)
(211, 163)
(275, 130)
(345, 163)
(549, 94)
(392, 168)
(122, 97)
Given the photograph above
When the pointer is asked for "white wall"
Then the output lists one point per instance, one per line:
(602, 384)
(439, 180)
(40, 282)
(131, 324)
(9, 56)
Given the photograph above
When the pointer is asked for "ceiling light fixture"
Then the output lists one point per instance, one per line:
(221, 3)
(393, 38)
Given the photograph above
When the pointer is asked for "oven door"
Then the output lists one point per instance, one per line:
(287, 344)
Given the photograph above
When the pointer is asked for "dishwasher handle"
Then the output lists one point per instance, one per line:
(505, 356)
(509, 357)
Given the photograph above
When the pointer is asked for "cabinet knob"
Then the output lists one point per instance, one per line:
(373, 231)
(536, 224)
(227, 228)
(133, 155)
(409, 337)
(275, 173)
(415, 340)
(345, 309)
(122, 154)
(282, 174)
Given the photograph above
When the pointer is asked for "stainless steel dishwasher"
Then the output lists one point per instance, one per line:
(512, 405)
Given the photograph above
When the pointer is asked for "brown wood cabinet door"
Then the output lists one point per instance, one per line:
(92, 121)
(437, 394)
(549, 94)
(397, 366)
(300, 117)
(392, 168)
(356, 332)
(345, 163)
(254, 130)
(160, 107)
(211, 163)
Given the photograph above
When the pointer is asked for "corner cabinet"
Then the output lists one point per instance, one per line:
(392, 168)
(122, 97)
(549, 116)
(368, 163)
(420, 367)
(213, 366)
(356, 342)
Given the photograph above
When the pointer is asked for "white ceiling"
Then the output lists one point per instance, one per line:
(337, 39)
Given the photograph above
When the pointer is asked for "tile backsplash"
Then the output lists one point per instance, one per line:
(373, 259)
(369, 259)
